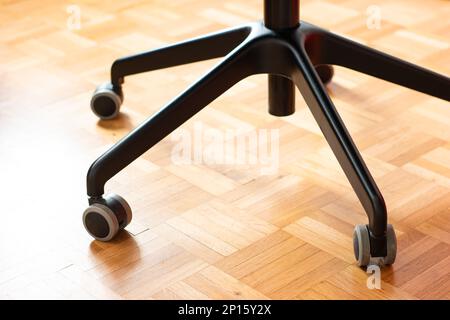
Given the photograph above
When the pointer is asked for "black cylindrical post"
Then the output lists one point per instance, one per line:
(281, 96)
(281, 15)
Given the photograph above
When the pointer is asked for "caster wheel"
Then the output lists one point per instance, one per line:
(106, 101)
(361, 246)
(391, 245)
(325, 73)
(105, 218)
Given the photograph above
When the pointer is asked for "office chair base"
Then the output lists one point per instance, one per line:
(295, 55)
(106, 216)
(361, 246)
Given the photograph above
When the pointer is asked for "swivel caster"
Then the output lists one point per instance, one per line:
(325, 73)
(106, 101)
(104, 219)
(361, 246)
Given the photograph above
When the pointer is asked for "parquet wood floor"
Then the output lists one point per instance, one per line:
(215, 231)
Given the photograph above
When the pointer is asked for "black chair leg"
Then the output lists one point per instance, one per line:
(335, 132)
(239, 64)
(338, 50)
(108, 97)
(214, 45)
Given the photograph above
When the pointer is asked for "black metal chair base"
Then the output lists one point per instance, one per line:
(290, 57)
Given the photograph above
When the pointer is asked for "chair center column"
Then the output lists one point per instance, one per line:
(281, 15)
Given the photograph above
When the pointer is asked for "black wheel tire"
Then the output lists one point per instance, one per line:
(104, 219)
(106, 101)
(361, 245)
(391, 239)
(325, 73)
(125, 206)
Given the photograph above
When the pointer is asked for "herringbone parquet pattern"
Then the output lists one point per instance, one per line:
(215, 231)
